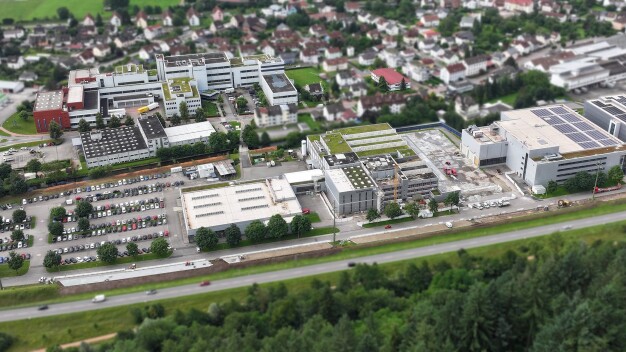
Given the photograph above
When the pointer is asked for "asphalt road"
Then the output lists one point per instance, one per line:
(186, 290)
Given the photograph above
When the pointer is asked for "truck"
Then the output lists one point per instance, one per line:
(607, 189)
(152, 106)
(98, 299)
(143, 109)
(176, 169)
(504, 203)
(69, 201)
(229, 90)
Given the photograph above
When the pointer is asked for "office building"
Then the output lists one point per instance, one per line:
(278, 89)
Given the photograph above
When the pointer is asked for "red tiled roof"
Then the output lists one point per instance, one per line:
(391, 76)
(455, 68)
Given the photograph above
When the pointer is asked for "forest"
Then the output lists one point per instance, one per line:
(550, 295)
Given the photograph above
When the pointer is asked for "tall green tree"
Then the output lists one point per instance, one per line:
(300, 224)
(233, 235)
(372, 214)
(412, 209)
(83, 126)
(175, 119)
(160, 247)
(255, 231)
(107, 253)
(616, 174)
(83, 209)
(55, 130)
(206, 239)
(114, 122)
(250, 137)
(184, 112)
(55, 228)
(277, 227)
(17, 235)
(200, 115)
(15, 261)
(392, 210)
(83, 224)
(265, 139)
(133, 249)
(33, 165)
(128, 121)
(100, 121)
(433, 206)
(52, 260)
(18, 216)
(58, 213)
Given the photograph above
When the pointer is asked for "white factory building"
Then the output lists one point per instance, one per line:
(218, 208)
(609, 113)
(158, 137)
(543, 144)
(278, 89)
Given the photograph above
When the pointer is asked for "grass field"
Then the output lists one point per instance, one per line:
(210, 109)
(25, 10)
(96, 264)
(73, 327)
(5, 271)
(304, 76)
(507, 99)
(310, 121)
(28, 144)
(16, 125)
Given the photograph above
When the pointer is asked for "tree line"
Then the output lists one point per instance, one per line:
(548, 295)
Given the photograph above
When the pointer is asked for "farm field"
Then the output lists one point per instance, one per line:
(26, 10)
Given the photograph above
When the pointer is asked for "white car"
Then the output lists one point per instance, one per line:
(449, 224)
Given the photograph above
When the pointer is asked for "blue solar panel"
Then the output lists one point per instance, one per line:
(553, 120)
(589, 145)
(570, 118)
(578, 137)
(559, 110)
(607, 142)
(541, 112)
(595, 135)
(613, 110)
(565, 128)
(583, 126)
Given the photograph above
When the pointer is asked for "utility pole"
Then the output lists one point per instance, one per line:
(593, 195)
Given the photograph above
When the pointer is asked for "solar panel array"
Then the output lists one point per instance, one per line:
(612, 109)
(574, 128)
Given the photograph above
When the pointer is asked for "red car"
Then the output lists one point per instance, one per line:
(387, 227)
(134, 226)
(306, 211)
(166, 233)
(124, 228)
(205, 283)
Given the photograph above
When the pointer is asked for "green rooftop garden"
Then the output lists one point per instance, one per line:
(129, 68)
(406, 151)
(364, 128)
(180, 85)
(166, 92)
(336, 144)
(152, 72)
(195, 92)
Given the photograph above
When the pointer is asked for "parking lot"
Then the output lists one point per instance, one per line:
(18, 158)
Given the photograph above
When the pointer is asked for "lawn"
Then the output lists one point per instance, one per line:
(24, 10)
(560, 192)
(16, 125)
(310, 121)
(336, 143)
(4, 134)
(364, 128)
(210, 109)
(28, 144)
(135, 163)
(5, 271)
(304, 76)
(507, 99)
(73, 327)
(404, 150)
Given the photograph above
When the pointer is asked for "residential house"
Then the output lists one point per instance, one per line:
(466, 106)
(167, 18)
(430, 20)
(450, 4)
(504, 71)
(332, 65)
(141, 20)
(88, 20)
(452, 73)
(333, 112)
(289, 57)
(391, 57)
(28, 76)
(476, 65)
(309, 56)
(193, 17)
(15, 33)
(315, 89)
(346, 78)
(357, 90)
(395, 101)
(449, 57)
(101, 50)
(217, 14)
(394, 79)
(147, 52)
(390, 42)
(332, 53)
(87, 57)
(561, 18)
(426, 45)
(353, 6)
(416, 71)
(464, 37)
(268, 49)
(116, 19)
(15, 62)
(276, 115)
(526, 6)
(367, 58)
(152, 32)
(317, 30)
(411, 37)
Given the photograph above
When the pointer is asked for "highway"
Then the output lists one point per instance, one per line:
(192, 289)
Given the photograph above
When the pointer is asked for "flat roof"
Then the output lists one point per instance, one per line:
(151, 127)
(555, 125)
(341, 158)
(91, 99)
(279, 83)
(219, 207)
(112, 141)
(194, 59)
(46, 101)
(75, 94)
(350, 178)
(190, 131)
(303, 176)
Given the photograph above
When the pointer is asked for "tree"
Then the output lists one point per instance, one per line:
(83, 224)
(99, 22)
(15, 261)
(98, 172)
(200, 115)
(392, 210)
(206, 238)
(63, 13)
(55, 228)
(17, 183)
(255, 231)
(175, 119)
(52, 260)
(433, 206)
(108, 253)
(128, 121)
(217, 141)
(277, 226)
(184, 111)
(55, 130)
(372, 214)
(265, 139)
(100, 121)
(403, 84)
(160, 247)
(115, 122)
(24, 115)
(412, 209)
(552, 186)
(233, 235)
(19, 216)
(83, 209)
(57, 213)
(616, 174)
(382, 84)
(84, 126)
(250, 137)
(17, 235)
(300, 224)
(242, 104)
(452, 199)
(6, 341)
(33, 165)
(133, 249)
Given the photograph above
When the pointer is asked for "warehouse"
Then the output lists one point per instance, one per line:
(351, 189)
(543, 144)
(609, 113)
(112, 146)
(218, 208)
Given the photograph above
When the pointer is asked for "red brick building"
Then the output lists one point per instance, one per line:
(51, 106)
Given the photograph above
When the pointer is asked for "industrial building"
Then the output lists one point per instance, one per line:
(609, 113)
(218, 208)
(112, 146)
(351, 189)
(278, 89)
(543, 144)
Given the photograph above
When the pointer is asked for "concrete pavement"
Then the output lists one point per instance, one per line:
(187, 290)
